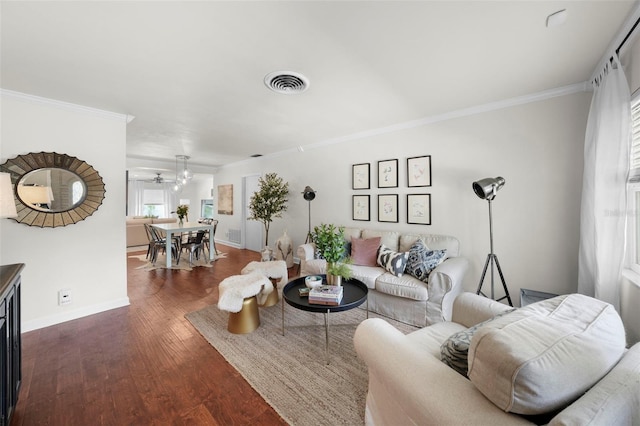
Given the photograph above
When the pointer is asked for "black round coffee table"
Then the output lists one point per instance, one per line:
(355, 294)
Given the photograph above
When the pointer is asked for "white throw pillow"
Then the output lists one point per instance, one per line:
(542, 357)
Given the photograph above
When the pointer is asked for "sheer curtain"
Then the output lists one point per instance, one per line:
(136, 198)
(604, 194)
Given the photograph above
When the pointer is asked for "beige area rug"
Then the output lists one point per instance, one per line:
(290, 371)
(161, 262)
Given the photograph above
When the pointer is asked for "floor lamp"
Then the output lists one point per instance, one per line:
(486, 189)
(309, 194)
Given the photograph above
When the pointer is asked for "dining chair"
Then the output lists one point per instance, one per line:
(194, 246)
(159, 243)
(150, 238)
(209, 239)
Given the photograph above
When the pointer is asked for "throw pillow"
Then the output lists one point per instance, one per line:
(392, 261)
(454, 351)
(347, 248)
(422, 261)
(363, 252)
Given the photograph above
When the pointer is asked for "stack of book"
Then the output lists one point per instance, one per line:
(326, 295)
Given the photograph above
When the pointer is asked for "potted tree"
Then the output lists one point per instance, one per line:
(330, 245)
(268, 203)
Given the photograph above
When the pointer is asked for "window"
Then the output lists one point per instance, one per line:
(154, 203)
(206, 208)
(634, 185)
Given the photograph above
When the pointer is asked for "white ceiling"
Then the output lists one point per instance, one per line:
(192, 72)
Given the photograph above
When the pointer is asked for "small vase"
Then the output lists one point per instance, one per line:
(334, 279)
(181, 221)
(267, 254)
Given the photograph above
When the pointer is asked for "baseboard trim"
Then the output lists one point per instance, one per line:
(227, 243)
(71, 315)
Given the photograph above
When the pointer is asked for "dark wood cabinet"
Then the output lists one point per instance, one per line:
(10, 340)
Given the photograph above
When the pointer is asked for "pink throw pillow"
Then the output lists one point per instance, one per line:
(365, 252)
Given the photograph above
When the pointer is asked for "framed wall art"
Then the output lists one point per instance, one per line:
(419, 209)
(361, 207)
(360, 176)
(225, 199)
(388, 174)
(388, 208)
(419, 171)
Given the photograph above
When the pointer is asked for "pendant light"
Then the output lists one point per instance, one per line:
(186, 175)
(176, 188)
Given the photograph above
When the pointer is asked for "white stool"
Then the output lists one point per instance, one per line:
(272, 269)
(240, 295)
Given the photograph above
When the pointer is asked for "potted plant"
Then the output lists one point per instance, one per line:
(268, 203)
(330, 245)
(182, 212)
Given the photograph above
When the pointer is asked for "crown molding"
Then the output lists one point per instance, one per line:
(67, 106)
(465, 112)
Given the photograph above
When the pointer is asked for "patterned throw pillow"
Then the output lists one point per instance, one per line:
(392, 261)
(455, 350)
(422, 261)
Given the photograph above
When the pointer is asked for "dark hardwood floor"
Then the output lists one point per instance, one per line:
(140, 365)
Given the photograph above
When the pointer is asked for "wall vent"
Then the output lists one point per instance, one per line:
(235, 236)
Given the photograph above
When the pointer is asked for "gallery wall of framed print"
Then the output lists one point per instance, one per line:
(419, 209)
(388, 208)
(361, 207)
(419, 171)
(388, 174)
(360, 176)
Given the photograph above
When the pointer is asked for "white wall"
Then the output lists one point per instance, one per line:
(196, 191)
(536, 147)
(88, 257)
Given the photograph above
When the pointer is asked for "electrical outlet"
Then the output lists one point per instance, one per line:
(64, 297)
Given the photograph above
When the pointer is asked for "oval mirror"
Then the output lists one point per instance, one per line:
(53, 189)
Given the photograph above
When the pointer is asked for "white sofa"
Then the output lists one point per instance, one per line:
(405, 298)
(581, 355)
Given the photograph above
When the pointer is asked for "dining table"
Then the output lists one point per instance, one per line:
(178, 228)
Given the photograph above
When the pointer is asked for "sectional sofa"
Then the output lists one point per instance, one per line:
(414, 301)
(136, 234)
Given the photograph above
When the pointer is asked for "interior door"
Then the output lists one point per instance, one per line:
(253, 229)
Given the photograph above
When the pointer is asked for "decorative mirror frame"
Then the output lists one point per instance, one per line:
(22, 164)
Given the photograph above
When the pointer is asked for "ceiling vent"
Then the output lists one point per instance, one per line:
(286, 82)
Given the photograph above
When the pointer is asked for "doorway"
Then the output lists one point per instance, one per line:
(252, 229)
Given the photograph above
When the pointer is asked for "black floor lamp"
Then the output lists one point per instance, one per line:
(309, 194)
(486, 189)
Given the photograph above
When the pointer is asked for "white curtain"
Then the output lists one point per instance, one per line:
(170, 201)
(136, 198)
(604, 194)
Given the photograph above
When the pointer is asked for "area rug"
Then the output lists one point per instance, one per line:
(184, 265)
(290, 371)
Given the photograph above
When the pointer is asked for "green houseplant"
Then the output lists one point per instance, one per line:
(330, 245)
(269, 201)
(182, 211)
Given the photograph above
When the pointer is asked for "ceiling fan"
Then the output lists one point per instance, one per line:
(158, 179)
